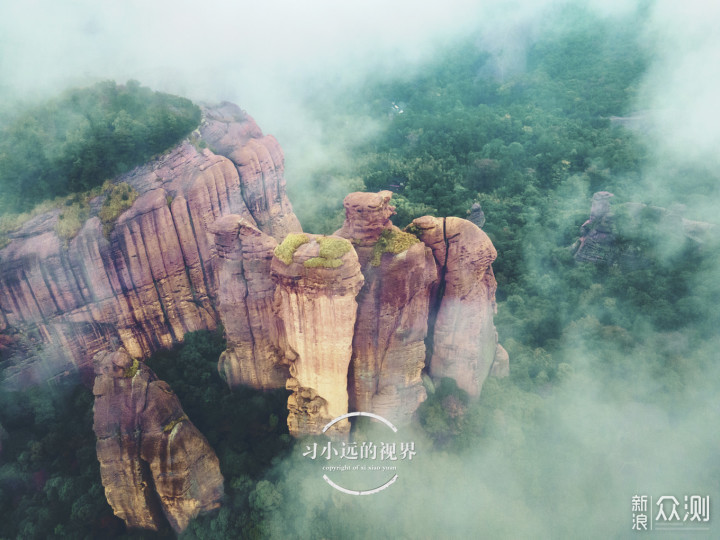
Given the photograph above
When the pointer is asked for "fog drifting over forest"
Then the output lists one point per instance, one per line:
(268, 57)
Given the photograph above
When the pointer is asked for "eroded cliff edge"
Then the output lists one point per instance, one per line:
(347, 322)
(153, 278)
(356, 318)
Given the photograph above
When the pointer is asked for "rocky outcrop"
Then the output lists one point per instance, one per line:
(597, 240)
(154, 463)
(463, 336)
(369, 356)
(152, 279)
(501, 364)
(343, 321)
(476, 215)
(625, 234)
(317, 280)
(245, 301)
(260, 163)
(393, 307)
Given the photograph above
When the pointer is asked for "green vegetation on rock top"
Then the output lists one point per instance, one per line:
(169, 427)
(331, 252)
(120, 199)
(289, 245)
(132, 370)
(333, 248)
(74, 143)
(392, 241)
(414, 230)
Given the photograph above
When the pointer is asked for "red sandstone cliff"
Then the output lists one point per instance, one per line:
(393, 307)
(317, 280)
(245, 303)
(342, 320)
(153, 279)
(153, 461)
(464, 340)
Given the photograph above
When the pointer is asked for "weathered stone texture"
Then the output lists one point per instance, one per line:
(463, 335)
(393, 307)
(245, 303)
(260, 164)
(154, 463)
(153, 279)
(317, 308)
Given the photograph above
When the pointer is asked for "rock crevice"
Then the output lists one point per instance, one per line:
(154, 463)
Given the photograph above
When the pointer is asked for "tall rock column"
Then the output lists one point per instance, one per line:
(463, 334)
(245, 300)
(393, 306)
(317, 281)
(153, 460)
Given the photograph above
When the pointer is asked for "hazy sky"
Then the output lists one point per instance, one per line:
(259, 54)
(266, 55)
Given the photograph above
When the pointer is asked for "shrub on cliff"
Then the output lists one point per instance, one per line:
(120, 199)
(75, 142)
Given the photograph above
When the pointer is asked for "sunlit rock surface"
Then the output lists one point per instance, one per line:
(463, 334)
(393, 306)
(348, 322)
(154, 463)
(245, 303)
(317, 308)
(152, 279)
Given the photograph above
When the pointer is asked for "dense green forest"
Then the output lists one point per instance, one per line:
(49, 474)
(612, 381)
(84, 137)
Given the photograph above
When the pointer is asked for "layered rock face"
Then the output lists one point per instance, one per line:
(352, 312)
(464, 340)
(260, 164)
(317, 282)
(393, 306)
(245, 303)
(343, 321)
(154, 463)
(153, 278)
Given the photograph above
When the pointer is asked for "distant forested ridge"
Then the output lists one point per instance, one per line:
(88, 135)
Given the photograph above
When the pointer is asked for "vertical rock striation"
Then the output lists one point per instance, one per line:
(260, 163)
(152, 278)
(317, 281)
(393, 305)
(245, 304)
(154, 463)
(464, 340)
